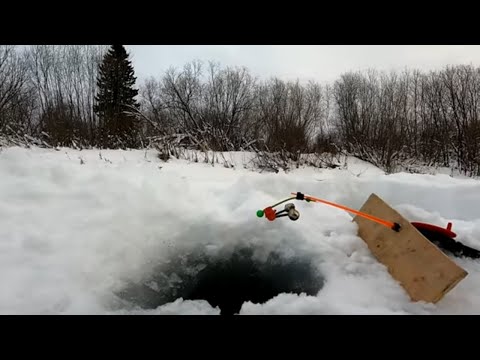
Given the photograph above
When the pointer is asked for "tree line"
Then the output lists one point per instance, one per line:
(88, 96)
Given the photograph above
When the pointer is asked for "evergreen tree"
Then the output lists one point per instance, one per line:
(116, 96)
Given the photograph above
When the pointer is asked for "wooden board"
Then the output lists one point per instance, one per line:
(423, 270)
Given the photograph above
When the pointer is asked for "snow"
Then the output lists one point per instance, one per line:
(77, 226)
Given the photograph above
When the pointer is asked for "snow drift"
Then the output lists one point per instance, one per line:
(78, 228)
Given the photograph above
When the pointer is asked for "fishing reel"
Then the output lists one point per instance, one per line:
(272, 214)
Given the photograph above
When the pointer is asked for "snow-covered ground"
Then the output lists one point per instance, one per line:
(77, 226)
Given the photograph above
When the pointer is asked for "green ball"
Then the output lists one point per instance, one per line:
(260, 213)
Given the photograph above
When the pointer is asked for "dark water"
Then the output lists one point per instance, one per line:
(225, 281)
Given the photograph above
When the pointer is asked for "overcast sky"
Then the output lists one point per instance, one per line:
(323, 63)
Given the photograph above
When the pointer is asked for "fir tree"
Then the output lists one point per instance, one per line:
(115, 97)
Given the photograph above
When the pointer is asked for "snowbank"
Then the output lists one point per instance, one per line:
(76, 226)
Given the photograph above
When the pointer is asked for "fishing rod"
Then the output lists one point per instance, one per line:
(442, 237)
(289, 210)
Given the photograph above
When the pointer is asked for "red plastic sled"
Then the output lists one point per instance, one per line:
(436, 229)
(444, 239)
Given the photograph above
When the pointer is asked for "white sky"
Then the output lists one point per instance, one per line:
(323, 63)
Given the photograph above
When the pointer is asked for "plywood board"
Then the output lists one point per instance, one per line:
(423, 270)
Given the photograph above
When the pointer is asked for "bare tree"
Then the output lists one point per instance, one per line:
(64, 80)
(227, 106)
(15, 97)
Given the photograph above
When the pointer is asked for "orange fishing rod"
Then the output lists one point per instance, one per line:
(290, 211)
